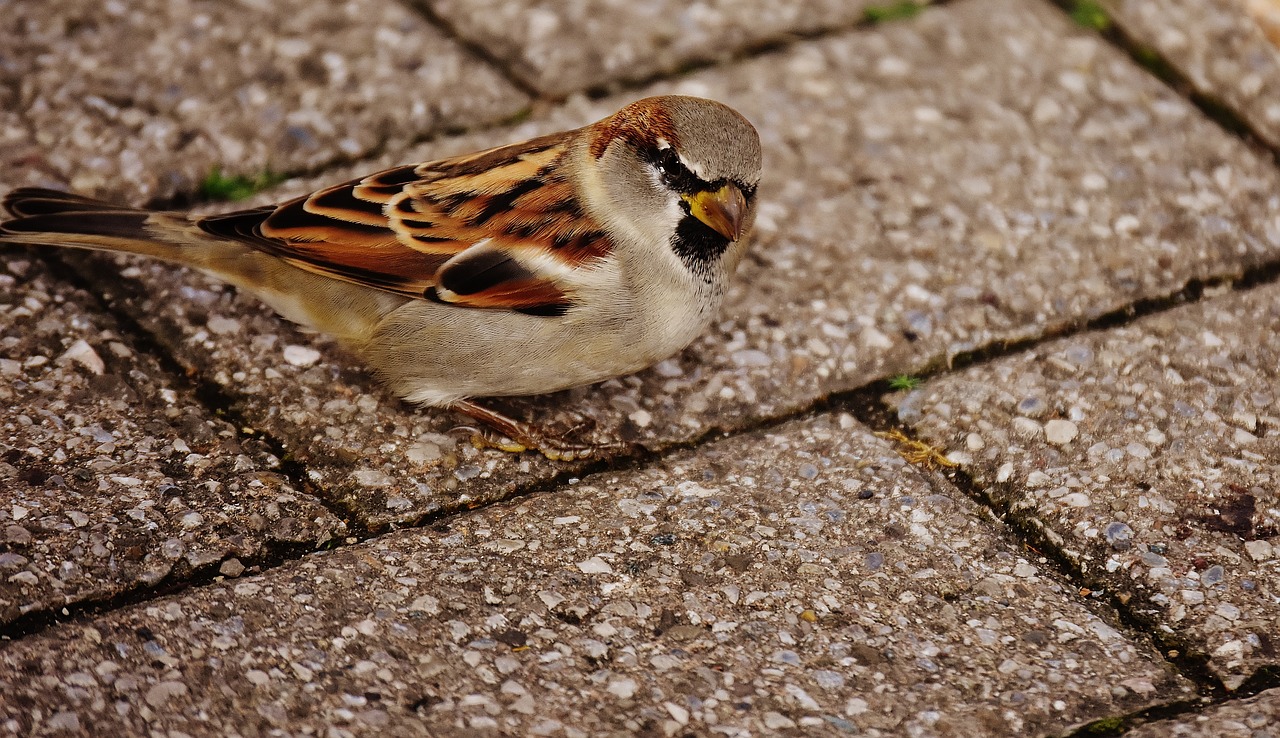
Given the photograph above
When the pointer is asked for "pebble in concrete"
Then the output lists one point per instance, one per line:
(1086, 184)
(1257, 717)
(143, 99)
(1218, 47)
(1165, 490)
(113, 478)
(802, 581)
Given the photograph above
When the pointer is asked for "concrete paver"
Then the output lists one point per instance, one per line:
(804, 581)
(1149, 454)
(143, 99)
(112, 478)
(1086, 185)
(1257, 717)
(561, 47)
(982, 173)
(1217, 47)
(366, 451)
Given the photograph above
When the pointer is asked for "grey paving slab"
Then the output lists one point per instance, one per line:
(144, 98)
(366, 451)
(1219, 47)
(111, 477)
(805, 581)
(1257, 717)
(1149, 453)
(983, 173)
(561, 48)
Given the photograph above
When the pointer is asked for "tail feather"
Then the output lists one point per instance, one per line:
(26, 201)
(45, 217)
(106, 223)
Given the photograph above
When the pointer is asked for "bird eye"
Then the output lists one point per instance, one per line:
(674, 173)
(669, 162)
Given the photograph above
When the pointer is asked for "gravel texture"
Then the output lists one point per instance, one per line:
(1258, 717)
(1218, 47)
(1165, 487)
(112, 476)
(142, 99)
(565, 47)
(1086, 185)
(984, 172)
(804, 581)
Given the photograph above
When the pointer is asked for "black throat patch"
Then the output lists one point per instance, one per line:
(698, 246)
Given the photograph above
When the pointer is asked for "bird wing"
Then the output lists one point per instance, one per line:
(495, 229)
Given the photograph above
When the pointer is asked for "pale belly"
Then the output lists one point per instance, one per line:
(434, 354)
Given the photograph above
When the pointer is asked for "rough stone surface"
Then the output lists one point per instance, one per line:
(1218, 47)
(564, 47)
(1168, 494)
(112, 476)
(981, 173)
(1084, 185)
(143, 99)
(805, 581)
(20, 156)
(1258, 717)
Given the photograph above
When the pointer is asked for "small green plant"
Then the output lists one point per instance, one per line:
(519, 116)
(904, 382)
(1154, 63)
(1106, 726)
(1090, 14)
(218, 186)
(893, 11)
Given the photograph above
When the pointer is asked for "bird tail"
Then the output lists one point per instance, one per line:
(44, 217)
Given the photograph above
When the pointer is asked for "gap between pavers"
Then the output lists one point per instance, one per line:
(1087, 185)
(559, 48)
(1147, 456)
(1220, 51)
(113, 478)
(142, 100)
(804, 579)
(1257, 717)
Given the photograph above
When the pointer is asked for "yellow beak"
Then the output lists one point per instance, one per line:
(724, 211)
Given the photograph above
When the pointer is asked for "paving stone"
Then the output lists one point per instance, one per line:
(246, 86)
(111, 477)
(1086, 185)
(560, 47)
(1167, 491)
(1218, 47)
(1257, 717)
(795, 582)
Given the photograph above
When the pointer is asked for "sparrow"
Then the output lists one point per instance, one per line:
(560, 261)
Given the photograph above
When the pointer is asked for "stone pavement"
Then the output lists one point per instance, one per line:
(984, 442)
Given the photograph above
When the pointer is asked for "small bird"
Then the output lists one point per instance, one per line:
(560, 261)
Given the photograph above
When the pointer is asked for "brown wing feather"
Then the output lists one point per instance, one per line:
(395, 229)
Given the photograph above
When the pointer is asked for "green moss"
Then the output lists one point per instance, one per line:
(893, 11)
(1090, 14)
(1151, 60)
(519, 116)
(904, 382)
(217, 186)
(1105, 726)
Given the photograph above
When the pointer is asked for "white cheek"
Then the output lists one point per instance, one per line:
(694, 167)
(673, 213)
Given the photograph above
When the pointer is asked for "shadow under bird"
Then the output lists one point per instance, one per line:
(560, 261)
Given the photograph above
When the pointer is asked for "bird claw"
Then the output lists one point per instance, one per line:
(512, 436)
(555, 449)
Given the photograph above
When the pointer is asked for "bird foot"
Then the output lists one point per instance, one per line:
(516, 437)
